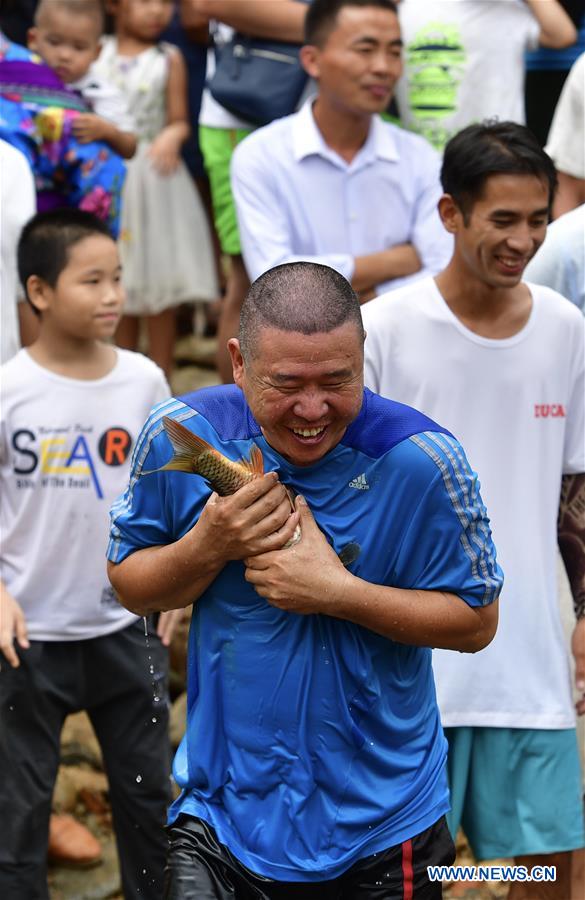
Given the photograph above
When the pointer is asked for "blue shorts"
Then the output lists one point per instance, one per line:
(515, 791)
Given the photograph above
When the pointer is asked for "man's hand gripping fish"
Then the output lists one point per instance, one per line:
(223, 475)
(195, 456)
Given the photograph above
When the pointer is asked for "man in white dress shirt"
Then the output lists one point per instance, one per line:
(334, 183)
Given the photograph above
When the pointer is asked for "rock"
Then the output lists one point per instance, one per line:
(95, 801)
(197, 351)
(191, 378)
(65, 792)
(80, 785)
(98, 883)
(79, 743)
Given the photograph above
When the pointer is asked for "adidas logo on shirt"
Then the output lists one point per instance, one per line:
(360, 483)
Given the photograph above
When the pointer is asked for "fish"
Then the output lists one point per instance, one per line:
(225, 476)
(195, 456)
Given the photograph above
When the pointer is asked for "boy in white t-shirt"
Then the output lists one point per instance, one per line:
(501, 364)
(66, 35)
(72, 406)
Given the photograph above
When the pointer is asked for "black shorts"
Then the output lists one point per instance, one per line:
(200, 868)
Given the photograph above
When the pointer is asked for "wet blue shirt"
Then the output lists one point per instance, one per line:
(312, 742)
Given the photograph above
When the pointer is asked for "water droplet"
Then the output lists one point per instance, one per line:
(379, 883)
(11, 708)
(138, 780)
(326, 662)
(144, 871)
(151, 670)
(156, 699)
(145, 625)
(154, 719)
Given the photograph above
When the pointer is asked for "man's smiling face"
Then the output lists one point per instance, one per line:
(303, 390)
(504, 228)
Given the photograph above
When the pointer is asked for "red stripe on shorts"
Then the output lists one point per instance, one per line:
(407, 873)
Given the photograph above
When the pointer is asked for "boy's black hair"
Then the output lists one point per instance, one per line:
(322, 16)
(492, 148)
(45, 242)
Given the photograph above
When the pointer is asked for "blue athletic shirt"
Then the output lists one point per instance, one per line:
(313, 742)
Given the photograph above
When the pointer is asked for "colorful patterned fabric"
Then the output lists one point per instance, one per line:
(36, 114)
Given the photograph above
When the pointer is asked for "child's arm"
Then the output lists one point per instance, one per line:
(166, 148)
(12, 626)
(88, 127)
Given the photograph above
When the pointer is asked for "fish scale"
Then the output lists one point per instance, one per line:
(224, 476)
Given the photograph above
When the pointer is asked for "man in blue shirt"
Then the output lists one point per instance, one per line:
(314, 759)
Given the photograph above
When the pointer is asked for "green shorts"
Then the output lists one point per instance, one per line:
(515, 791)
(217, 146)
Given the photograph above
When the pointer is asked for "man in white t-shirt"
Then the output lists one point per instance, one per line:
(464, 60)
(334, 183)
(500, 363)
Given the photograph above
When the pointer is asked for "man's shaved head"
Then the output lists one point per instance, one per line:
(302, 297)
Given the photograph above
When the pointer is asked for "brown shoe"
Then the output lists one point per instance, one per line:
(72, 844)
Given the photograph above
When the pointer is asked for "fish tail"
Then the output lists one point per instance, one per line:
(187, 446)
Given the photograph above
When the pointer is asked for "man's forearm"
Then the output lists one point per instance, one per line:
(376, 268)
(166, 577)
(556, 26)
(571, 537)
(421, 618)
(282, 20)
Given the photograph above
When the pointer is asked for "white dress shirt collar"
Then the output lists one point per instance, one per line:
(308, 141)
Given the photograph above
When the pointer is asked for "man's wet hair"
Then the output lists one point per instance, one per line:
(492, 148)
(302, 297)
(322, 15)
(46, 241)
(94, 8)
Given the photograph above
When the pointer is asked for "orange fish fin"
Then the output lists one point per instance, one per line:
(184, 441)
(255, 464)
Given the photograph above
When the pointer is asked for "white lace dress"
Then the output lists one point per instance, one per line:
(165, 243)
